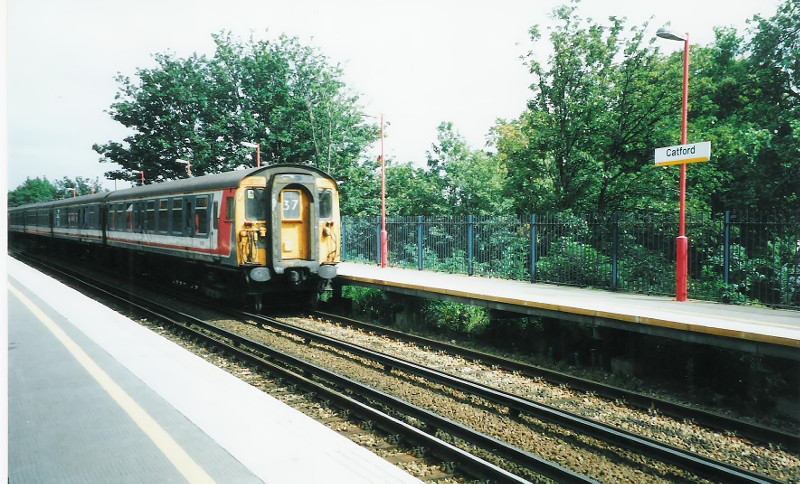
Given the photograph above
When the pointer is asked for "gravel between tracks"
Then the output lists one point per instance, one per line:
(319, 411)
(577, 452)
(773, 462)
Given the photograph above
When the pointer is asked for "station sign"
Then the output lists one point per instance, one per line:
(683, 154)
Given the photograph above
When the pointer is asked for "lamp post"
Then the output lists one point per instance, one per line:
(384, 234)
(257, 146)
(682, 243)
(384, 248)
(188, 166)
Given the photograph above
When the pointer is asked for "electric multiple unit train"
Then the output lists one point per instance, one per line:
(252, 233)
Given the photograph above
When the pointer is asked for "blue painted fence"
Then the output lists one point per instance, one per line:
(733, 258)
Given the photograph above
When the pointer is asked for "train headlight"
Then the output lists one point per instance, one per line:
(326, 271)
(260, 274)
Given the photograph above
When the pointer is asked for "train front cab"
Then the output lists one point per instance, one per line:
(289, 232)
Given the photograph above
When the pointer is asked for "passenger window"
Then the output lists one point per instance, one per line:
(187, 218)
(130, 217)
(150, 216)
(177, 216)
(119, 218)
(91, 217)
(201, 215)
(325, 204)
(163, 216)
(215, 215)
(229, 208)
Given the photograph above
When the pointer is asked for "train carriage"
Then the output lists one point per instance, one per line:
(242, 233)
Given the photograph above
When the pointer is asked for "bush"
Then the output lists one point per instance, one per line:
(571, 262)
(458, 318)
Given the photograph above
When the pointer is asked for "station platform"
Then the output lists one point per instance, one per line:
(747, 328)
(96, 397)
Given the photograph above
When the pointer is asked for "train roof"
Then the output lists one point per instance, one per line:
(208, 182)
(79, 200)
(186, 185)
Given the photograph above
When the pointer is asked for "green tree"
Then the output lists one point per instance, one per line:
(598, 109)
(745, 99)
(412, 191)
(468, 182)
(67, 187)
(32, 191)
(280, 94)
(360, 189)
(770, 179)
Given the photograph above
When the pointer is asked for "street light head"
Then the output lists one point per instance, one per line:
(664, 33)
(248, 145)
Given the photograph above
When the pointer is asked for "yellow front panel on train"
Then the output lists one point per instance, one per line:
(294, 224)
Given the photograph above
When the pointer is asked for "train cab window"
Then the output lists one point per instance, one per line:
(325, 204)
(290, 199)
(177, 216)
(150, 216)
(201, 215)
(255, 204)
(163, 216)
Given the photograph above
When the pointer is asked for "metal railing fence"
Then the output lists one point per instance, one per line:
(733, 258)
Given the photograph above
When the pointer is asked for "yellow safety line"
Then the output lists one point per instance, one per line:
(171, 449)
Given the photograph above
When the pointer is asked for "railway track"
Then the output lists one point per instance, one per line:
(698, 464)
(310, 376)
(747, 430)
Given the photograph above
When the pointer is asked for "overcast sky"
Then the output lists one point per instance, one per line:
(420, 62)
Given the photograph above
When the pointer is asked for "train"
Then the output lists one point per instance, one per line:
(250, 235)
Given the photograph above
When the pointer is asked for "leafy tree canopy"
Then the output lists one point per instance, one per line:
(595, 116)
(607, 97)
(32, 191)
(467, 182)
(42, 190)
(285, 96)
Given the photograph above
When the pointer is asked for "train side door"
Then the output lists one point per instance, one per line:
(295, 224)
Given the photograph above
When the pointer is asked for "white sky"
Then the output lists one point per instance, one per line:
(420, 62)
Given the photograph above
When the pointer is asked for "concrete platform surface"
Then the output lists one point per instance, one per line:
(762, 325)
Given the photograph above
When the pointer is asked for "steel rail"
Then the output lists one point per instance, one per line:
(702, 417)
